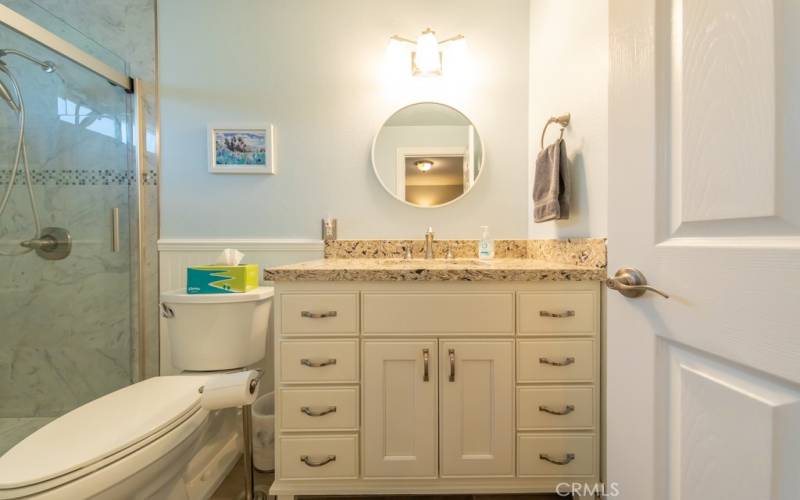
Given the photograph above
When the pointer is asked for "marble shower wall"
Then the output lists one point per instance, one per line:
(67, 330)
(127, 29)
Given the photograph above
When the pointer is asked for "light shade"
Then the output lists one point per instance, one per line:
(423, 165)
(427, 58)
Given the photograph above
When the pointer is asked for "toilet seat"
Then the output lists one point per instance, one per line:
(100, 433)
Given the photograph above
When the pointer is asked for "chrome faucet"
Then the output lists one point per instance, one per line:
(429, 243)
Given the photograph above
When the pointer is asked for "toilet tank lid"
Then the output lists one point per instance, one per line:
(100, 428)
(181, 297)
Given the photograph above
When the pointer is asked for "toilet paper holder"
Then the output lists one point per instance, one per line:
(250, 492)
(253, 382)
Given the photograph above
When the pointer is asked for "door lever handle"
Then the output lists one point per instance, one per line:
(631, 283)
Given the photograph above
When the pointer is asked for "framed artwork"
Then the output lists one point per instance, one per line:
(245, 149)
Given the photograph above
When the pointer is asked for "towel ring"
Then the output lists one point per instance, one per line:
(562, 120)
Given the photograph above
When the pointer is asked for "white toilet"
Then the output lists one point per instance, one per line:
(151, 439)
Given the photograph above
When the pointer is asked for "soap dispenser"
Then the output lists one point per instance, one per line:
(486, 247)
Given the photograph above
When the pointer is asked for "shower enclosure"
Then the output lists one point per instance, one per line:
(68, 318)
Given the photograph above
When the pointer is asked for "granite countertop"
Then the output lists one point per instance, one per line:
(459, 269)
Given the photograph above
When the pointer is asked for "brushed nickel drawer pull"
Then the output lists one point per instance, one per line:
(311, 413)
(311, 463)
(569, 457)
(566, 314)
(566, 362)
(566, 411)
(317, 364)
(309, 314)
(426, 359)
(452, 353)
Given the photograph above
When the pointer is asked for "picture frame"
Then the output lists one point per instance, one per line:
(241, 148)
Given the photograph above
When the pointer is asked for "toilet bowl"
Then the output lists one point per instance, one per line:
(151, 439)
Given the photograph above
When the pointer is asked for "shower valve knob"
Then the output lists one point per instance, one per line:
(46, 244)
(54, 243)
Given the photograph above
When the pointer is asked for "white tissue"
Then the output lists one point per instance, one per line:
(229, 390)
(229, 257)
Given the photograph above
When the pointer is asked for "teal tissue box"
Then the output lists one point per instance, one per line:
(221, 278)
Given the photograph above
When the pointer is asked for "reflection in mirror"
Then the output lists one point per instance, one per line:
(427, 154)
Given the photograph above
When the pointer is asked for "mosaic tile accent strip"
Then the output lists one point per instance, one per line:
(150, 178)
(82, 177)
(396, 249)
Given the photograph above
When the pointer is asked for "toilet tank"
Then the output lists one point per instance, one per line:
(218, 331)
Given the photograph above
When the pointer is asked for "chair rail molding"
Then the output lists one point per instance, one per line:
(273, 245)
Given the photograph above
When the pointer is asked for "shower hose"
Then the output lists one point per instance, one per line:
(21, 156)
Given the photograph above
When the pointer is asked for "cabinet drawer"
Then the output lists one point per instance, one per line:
(558, 313)
(574, 455)
(438, 313)
(555, 361)
(321, 361)
(555, 408)
(315, 409)
(319, 313)
(319, 456)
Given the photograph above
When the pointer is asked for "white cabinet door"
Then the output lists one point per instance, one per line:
(399, 425)
(703, 389)
(477, 408)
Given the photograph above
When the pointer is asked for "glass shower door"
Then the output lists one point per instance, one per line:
(65, 324)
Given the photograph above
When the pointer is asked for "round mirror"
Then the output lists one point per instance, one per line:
(427, 154)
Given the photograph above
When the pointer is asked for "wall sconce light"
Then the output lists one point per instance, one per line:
(427, 53)
(423, 165)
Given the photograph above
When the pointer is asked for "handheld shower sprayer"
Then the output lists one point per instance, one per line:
(6, 95)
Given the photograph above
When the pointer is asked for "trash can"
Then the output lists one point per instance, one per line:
(264, 433)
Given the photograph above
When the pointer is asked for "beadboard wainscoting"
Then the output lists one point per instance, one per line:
(175, 255)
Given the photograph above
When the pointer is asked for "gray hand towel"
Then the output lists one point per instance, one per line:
(551, 183)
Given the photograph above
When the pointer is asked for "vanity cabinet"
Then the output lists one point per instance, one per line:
(436, 387)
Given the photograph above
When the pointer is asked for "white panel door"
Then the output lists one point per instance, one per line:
(703, 388)
(398, 381)
(477, 408)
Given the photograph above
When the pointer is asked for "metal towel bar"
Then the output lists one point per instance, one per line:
(562, 120)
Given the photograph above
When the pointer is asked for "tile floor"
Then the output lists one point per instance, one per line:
(231, 487)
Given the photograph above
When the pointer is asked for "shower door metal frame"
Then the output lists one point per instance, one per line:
(33, 31)
(139, 344)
